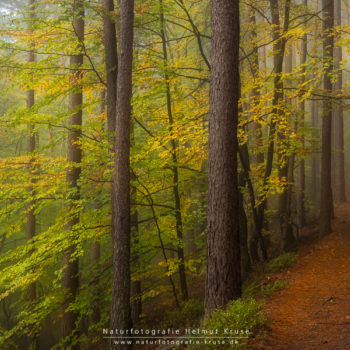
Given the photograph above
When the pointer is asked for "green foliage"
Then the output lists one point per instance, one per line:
(283, 261)
(263, 289)
(189, 314)
(242, 316)
(271, 288)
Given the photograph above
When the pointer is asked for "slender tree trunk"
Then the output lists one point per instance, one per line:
(288, 240)
(33, 341)
(110, 44)
(300, 124)
(278, 49)
(121, 311)
(315, 164)
(96, 247)
(315, 161)
(257, 129)
(111, 58)
(339, 166)
(255, 92)
(136, 286)
(326, 211)
(175, 170)
(70, 281)
(223, 279)
(243, 230)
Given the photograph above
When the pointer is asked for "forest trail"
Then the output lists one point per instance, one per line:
(313, 311)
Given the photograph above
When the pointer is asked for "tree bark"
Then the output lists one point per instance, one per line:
(111, 57)
(136, 286)
(243, 230)
(121, 311)
(111, 61)
(300, 124)
(257, 129)
(70, 281)
(326, 210)
(223, 279)
(288, 240)
(315, 162)
(255, 92)
(339, 166)
(96, 247)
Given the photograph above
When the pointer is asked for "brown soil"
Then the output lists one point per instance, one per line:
(313, 311)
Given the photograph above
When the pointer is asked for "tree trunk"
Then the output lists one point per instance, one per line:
(326, 210)
(223, 279)
(175, 170)
(255, 92)
(300, 124)
(243, 230)
(288, 240)
(111, 57)
(70, 281)
(278, 49)
(96, 247)
(315, 163)
(257, 129)
(339, 171)
(121, 312)
(136, 286)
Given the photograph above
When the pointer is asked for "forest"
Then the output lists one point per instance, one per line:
(173, 174)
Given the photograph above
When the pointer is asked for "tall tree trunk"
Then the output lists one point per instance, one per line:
(254, 95)
(121, 311)
(33, 341)
(300, 124)
(326, 210)
(175, 170)
(288, 240)
(315, 163)
(110, 44)
(243, 230)
(339, 170)
(136, 286)
(315, 122)
(111, 58)
(257, 129)
(279, 44)
(70, 281)
(96, 247)
(223, 279)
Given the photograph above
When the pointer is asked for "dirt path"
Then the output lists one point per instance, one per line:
(313, 311)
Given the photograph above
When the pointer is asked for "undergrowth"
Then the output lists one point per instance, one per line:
(188, 315)
(233, 325)
(281, 262)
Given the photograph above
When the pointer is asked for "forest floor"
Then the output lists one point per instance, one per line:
(313, 311)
